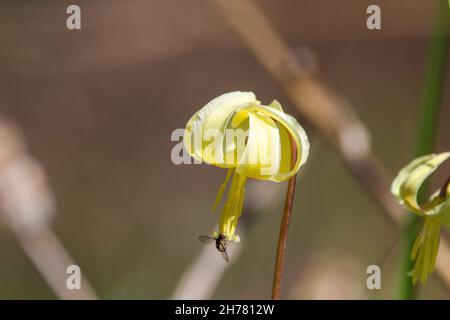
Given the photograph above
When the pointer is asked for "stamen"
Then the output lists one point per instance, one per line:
(425, 250)
(233, 206)
(222, 190)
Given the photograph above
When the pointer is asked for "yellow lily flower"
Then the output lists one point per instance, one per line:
(435, 211)
(235, 131)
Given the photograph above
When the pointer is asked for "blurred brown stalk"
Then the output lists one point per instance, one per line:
(27, 207)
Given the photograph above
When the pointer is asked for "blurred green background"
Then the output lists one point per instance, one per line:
(98, 106)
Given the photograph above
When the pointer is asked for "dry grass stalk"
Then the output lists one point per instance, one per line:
(27, 207)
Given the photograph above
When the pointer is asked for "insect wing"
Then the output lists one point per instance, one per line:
(225, 256)
(206, 239)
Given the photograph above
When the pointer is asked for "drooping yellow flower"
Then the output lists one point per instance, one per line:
(435, 211)
(235, 131)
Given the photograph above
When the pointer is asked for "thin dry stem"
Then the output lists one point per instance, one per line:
(284, 228)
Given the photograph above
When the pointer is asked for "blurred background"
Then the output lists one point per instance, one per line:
(97, 108)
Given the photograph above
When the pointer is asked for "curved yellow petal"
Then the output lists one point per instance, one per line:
(294, 130)
(212, 120)
(260, 158)
(409, 180)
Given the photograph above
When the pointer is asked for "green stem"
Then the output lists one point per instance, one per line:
(428, 116)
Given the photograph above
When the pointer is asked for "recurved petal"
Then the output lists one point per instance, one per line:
(409, 180)
(288, 126)
(261, 156)
(211, 120)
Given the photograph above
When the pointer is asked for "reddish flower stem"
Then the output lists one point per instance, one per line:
(282, 239)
